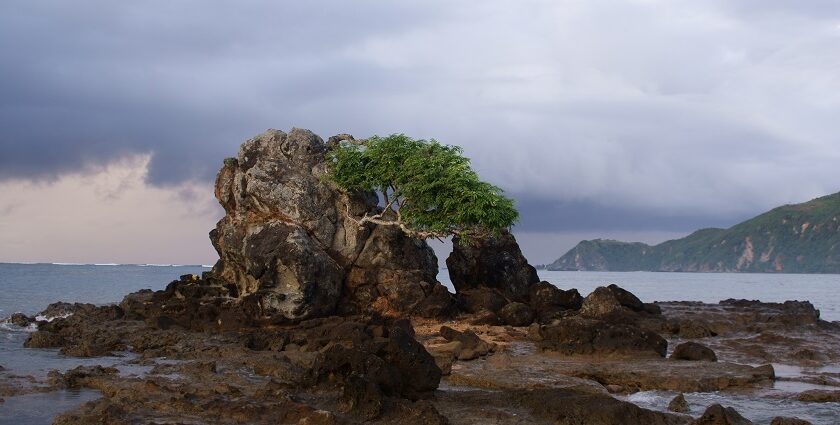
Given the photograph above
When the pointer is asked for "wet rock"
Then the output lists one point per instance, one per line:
(652, 308)
(43, 339)
(587, 336)
(444, 360)
(692, 329)
(765, 371)
(481, 299)
(789, 313)
(449, 334)
(614, 389)
(819, 396)
(491, 261)
(517, 314)
(79, 376)
(20, 319)
(464, 345)
(486, 317)
(719, 415)
(362, 397)
(568, 407)
(678, 404)
(693, 351)
(63, 309)
(601, 304)
(549, 301)
(439, 302)
(625, 298)
(534, 333)
(103, 345)
(782, 420)
(808, 354)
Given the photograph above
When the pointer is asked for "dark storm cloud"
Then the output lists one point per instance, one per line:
(598, 115)
(86, 82)
(564, 216)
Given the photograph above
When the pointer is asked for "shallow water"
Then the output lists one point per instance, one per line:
(760, 410)
(41, 408)
(29, 288)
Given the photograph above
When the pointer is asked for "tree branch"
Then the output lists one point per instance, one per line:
(377, 219)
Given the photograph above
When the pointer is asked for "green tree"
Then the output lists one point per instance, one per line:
(428, 189)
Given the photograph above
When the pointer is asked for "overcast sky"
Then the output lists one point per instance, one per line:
(635, 120)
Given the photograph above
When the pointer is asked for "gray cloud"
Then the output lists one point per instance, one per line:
(597, 115)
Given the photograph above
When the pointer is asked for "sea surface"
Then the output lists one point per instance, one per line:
(29, 288)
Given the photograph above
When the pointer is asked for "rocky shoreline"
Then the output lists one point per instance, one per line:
(354, 369)
(309, 318)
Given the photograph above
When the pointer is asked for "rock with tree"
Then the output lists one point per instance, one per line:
(313, 228)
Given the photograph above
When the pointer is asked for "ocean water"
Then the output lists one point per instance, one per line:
(29, 288)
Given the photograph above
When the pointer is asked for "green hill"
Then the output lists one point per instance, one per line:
(801, 238)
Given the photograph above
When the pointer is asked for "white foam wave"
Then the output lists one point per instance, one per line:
(42, 318)
(9, 327)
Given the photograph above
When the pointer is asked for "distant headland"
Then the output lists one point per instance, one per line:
(800, 238)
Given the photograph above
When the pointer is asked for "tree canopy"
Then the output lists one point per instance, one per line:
(428, 189)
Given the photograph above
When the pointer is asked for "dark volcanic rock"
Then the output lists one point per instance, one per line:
(577, 335)
(600, 304)
(493, 261)
(678, 404)
(78, 376)
(820, 396)
(782, 420)
(549, 301)
(20, 319)
(626, 298)
(396, 274)
(693, 351)
(463, 345)
(288, 245)
(374, 365)
(481, 299)
(788, 313)
(517, 314)
(558, 406)
(719, 415)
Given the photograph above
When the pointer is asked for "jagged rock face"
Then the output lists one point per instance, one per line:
(288, 243)
(494, 280)
(393, 273)
(491, 262)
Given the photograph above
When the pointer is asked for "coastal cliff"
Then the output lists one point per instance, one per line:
(801, 238)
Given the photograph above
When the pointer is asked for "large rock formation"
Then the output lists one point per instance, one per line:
(288, 245)
(491, 262)
(493, 279)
